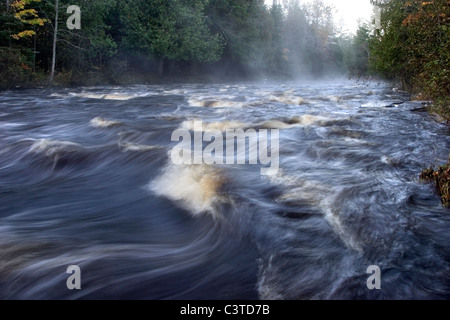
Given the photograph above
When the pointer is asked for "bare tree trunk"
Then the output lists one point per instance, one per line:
(55, 38)
(9, 31)
(34, 49)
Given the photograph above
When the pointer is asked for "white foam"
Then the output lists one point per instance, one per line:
(374, 104)
(276, 124)
(214, 102)
(334, 220)
(104, 96)
(209, 126)
(103, 123)
(334, 99)
(119, 97)
(316, 194)
(125, 147)
(7, 125)
(196, 187)
(52, 147)
(287, 99)
(304, 120)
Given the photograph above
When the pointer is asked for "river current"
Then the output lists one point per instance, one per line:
(87, 179)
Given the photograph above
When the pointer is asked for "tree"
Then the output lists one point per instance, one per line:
(90, 47)
(413, 45)
(387, 49)
(174, 30)
(360, 53)
(247, 27)
(28, 16)
(321, 30)
(55, 39)
(278, 57)
(296, 28)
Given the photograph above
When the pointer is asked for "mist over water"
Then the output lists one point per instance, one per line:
(86, 179)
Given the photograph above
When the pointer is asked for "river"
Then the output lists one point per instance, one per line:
(87, 179)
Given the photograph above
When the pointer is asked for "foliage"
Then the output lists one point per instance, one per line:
(314, 46)
(15, 68)
(28, 16)
(413, 46)
(149, 39)
(173, 29)
(441, 180)
(359, 52)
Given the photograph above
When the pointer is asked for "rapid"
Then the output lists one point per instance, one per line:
(86, 179)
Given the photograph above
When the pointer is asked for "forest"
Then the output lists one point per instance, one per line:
(138, 40)
(141, 41)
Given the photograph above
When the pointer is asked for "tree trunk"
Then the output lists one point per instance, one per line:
(34, 49)
(7, 5)
(55, 38)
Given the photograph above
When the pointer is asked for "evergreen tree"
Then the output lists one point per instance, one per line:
(169, 30)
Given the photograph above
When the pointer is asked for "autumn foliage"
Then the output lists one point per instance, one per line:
(29, 16)
(441, 180)
(414, 47)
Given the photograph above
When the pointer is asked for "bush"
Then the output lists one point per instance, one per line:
(15, 68)
(441, 180)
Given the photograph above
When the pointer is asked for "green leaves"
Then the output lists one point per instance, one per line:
(415, 46)
(29, 16)
(173, 29)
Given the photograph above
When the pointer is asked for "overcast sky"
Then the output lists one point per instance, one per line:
(348, 11)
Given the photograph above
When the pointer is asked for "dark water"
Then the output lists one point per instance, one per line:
(86, 179)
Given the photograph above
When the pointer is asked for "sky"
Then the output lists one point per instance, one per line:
(348, 12)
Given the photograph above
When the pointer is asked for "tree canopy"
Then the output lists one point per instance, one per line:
(131, 37)
(413, 45)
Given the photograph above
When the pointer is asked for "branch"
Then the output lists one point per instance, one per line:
(48, 18)
(74, 34)
(71, 44)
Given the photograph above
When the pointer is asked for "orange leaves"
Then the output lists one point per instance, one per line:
(25, 67)
(426, 11)
(412, 18)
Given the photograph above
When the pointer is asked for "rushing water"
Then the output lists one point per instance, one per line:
(86, 179)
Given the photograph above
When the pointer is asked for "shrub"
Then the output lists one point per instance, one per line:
(441, 180)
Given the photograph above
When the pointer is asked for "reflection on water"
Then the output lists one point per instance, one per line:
(86, 179)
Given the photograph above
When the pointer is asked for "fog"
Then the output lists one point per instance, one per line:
(138, 41)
